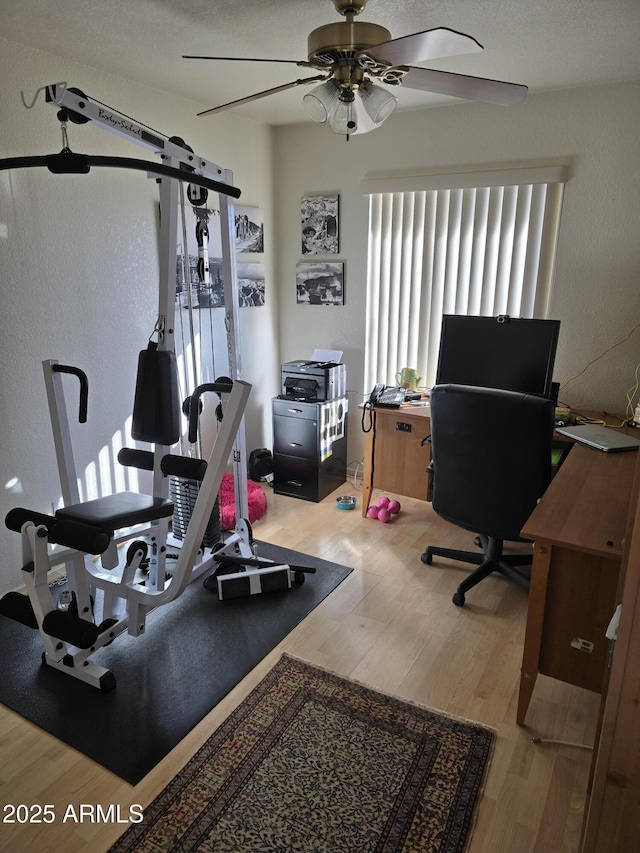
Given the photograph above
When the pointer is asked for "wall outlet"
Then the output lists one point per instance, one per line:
(582, 645)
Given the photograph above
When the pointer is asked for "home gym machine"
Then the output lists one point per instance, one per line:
(111, 588)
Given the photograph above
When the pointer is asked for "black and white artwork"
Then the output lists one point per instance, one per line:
(319, 225)
(199, 282)
(199, 275)
(320, 283)
(251, 279)
(249, 230)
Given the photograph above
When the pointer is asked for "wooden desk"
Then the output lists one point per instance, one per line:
(578, 529)
(395, 460)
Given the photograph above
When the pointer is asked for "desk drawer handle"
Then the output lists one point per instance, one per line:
(295, 411)
(294, 483)
(295, 444)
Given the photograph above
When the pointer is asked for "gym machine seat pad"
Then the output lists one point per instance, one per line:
(120, 510)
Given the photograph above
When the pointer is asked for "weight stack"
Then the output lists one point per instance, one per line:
(184, 494)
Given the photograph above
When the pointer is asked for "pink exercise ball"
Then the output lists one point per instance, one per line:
(394, 507)
(384, 515)
(372, 512)
(383, 503)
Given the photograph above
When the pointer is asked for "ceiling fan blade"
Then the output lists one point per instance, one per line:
(421, 47)
(264, 94)
(463, 86)
(247, 59)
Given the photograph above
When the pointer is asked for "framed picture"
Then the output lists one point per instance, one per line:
(320, 283)
(251, 279)
(190, 289)
(319, 225)
(249, 230)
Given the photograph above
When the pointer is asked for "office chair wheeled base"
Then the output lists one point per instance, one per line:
(490, 560)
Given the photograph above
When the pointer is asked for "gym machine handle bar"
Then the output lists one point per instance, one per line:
(84, 387)
(218, 388)
(67, 162)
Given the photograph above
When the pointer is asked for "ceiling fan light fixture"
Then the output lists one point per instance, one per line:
(378, 103)
(322, 100)
(343, 118)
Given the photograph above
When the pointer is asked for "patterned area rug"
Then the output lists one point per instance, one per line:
(310, 763)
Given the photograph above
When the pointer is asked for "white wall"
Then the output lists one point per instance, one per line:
(597, 288)
(79, 269)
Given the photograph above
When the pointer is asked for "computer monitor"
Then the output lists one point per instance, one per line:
(514, 354)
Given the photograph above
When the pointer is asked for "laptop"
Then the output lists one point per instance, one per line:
(603, 438)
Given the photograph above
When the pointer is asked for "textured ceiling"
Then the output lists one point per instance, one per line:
(545, 44)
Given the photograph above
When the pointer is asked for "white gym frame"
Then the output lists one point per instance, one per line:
(127, 597)
(60, 95)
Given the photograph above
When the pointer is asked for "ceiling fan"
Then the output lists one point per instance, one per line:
(353, 54)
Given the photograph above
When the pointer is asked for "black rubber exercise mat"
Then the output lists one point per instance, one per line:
(194, 651)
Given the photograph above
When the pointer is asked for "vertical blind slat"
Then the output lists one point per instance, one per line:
(480, 224)
(431, 199)
(513, 297)
(548, 247)
(415, 296)
(531, 269)
(491, 251)
(505, 250)
(373, 288)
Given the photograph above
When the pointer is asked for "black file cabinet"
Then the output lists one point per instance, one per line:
(309, 447)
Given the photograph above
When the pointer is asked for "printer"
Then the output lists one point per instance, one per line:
(313, 381)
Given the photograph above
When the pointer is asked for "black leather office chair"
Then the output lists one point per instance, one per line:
(491, 461)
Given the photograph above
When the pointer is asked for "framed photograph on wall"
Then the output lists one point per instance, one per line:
(319, 225)
(249, 230)
(190, 288)
(251, 284)
(320, 283)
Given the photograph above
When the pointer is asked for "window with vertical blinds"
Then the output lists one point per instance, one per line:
(481, 243)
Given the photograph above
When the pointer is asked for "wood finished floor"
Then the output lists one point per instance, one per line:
(392, 625)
